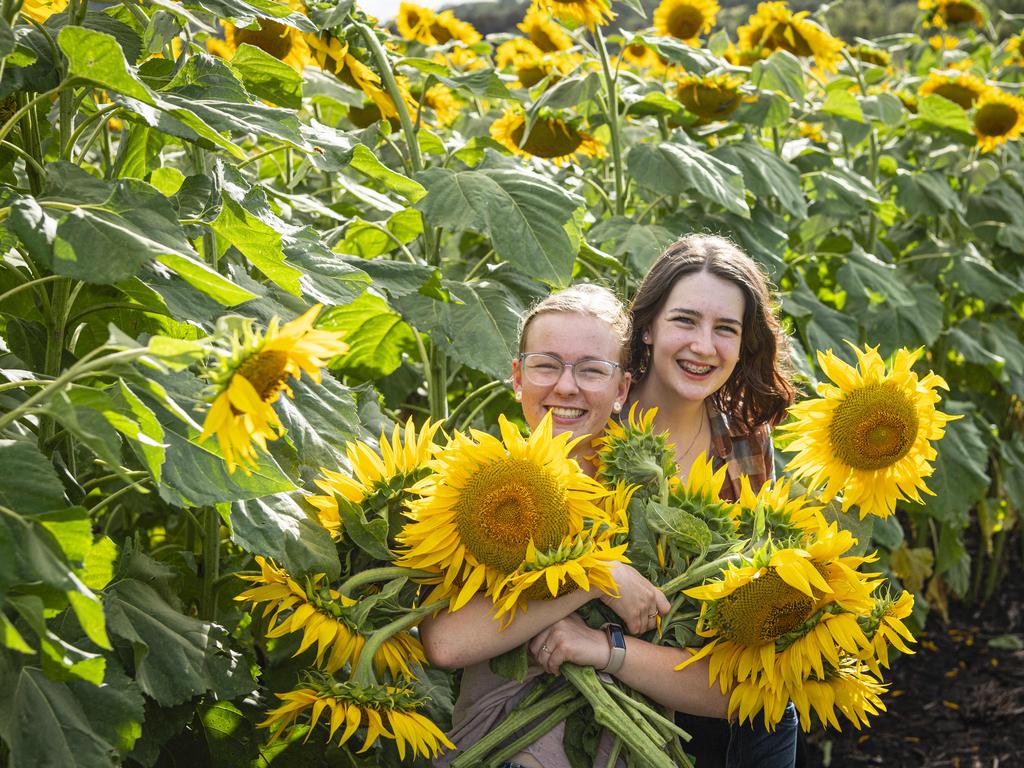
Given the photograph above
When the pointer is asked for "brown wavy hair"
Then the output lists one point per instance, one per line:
(760, 387)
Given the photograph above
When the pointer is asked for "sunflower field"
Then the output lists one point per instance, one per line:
(256, 254)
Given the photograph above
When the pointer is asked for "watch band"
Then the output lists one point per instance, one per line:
(616, 648)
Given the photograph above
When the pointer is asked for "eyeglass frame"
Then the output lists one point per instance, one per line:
(565, 364)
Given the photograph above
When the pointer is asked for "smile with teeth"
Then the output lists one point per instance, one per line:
(694, 368)
(566, 413)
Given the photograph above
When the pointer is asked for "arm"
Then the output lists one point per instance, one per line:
(471, 635)
(648, 668)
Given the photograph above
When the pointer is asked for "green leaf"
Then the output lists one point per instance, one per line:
(768, 110)
(267, 77)
(277, 526)
(479, 328)
(512, 664)
(524, 215)
(766, 174)
(637, 244)
(674, 169)
(230, 736)
(243, 13)
(28, 483)
(258, 242)
(6, 39)
(825, 328)
(960, 478)
(926, 192)
(82, 413)
(843, 104)
(376, 334)
(919, 323)
(369, 239)
(936, 111)
(883, 107)
(364, 161)
(97, 57)
(783, 72)
(176, 657)
(371, 536)
(151, 448)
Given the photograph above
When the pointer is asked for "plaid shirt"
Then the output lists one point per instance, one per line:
(751, 455)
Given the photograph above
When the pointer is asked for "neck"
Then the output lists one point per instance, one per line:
(681, 420)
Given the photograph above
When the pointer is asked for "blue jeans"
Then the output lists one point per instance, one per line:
(717, 744)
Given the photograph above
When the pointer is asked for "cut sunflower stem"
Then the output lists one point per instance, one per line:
(613, 753)
(374, 575)
(654, 716)
(545, 725)
(363, 673)
(520, 717)
(696, 575)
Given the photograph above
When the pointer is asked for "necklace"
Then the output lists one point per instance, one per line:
(693, 442)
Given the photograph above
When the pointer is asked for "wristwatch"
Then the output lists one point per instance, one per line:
(616, 646)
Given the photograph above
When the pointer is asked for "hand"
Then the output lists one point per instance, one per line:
(640, 602)
(570, 640)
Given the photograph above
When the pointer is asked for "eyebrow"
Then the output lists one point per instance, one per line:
(695, 313)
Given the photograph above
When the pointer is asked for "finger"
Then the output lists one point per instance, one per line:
(538, 644)
(663, 604)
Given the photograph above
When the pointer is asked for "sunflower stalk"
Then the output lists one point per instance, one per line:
(524, 713)
(695, 575)
(544, 726)
(363, 672)
(611, 86)
(666, 726)
(374, 575)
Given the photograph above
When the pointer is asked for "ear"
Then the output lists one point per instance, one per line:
(623, 394)
(517, 375)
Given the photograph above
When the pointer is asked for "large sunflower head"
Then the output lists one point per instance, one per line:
(327, 620)
(998, 118)
(632, 452)
(388, 712)
(41, 10)
(380, 479)
(446, 26)
(490, 500)
(552, 138)
(334, 55)
(586, 13)
(710, 97)
(869, 54)
(440, 100)
(281, 41)
(869, 433)
(251, 373)
(960, 88)
(543, 31)
(951, 13)
(685, 20)
(413, 23)
(643, 56)
(775, 27)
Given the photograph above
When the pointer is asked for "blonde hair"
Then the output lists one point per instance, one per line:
(583, 299)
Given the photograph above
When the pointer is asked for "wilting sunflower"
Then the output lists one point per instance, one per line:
(847, 688)
(552, 138)
(490, 500)
(885, 627)
(41, 10)
(386, 473)
(774, 26)
(998, 118)
(356, 706)
(951, 13)
(321, 614)
(281, 41)
(685, 20)
(710, 97)
(763, 616)
(333, 55)
(580, 561)
(960, 88)
(868, 434)
(250, 376)
(543, 31)
(532, 65)
(587, 13)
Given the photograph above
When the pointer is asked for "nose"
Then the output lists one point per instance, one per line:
(566, 383)
(702, 343)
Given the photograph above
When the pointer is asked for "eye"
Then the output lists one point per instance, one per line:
(731, 330)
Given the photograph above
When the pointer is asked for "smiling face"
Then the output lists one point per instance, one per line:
(695, 339)
(571, 337)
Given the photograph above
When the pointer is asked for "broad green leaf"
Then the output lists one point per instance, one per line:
(364, 161)
(320, 420)
(524, 214)
(369, 239)
(98, 566)
(868, 281)
(673, 168)
(277, 526)
(973, 274)
(376, 334)
(243, 13)
(883, 107)
(907, 325)
(96, 56)
(230, 735)
(766, 174)
(691, 58)
(82, 413)
(482, 83)
(825, 327)
(371, 535)
(28, 483)
(176, 656)
(912, 566)
(151, 449)
(843, 104)
(566, 93)
(638, 244)
(267, 77)
(479, 327)
(925, 192)
(768, 110)
(783, 72)
(7, 43)
(258, 242)
(174, 119)
(934, 110)
(12, 639)
(842, 192)
(961, 476)
(51, 726)
(206, 279)
(59, 659)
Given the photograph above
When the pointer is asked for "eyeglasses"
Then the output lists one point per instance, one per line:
(544, 370)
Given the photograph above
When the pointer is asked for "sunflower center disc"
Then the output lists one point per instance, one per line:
(440, 33)
(542, 40)
(995, 119)
(874, 427)
(957, 93)
(266, 371)
(958, 13)
(549, 138)
(506, 504)
(762, 611)
(273, 38)
(685, 22)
